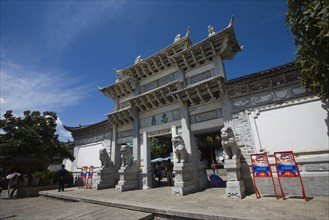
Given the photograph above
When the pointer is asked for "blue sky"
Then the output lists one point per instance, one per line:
(55, 53)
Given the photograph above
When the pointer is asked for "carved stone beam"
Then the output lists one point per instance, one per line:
(131, 103)
(210, 92)
(116, 121)
(179, 99)
(117, 90)
(168, 57)
(161, 61)
(193, 56)
(164, 96)
(126, 86)
(149, 67)
(169, 91)
(156, 98)
(185, 61)
(111, 92)
(122, 120)
(189, 97)
(126, 115)
(138, 105)
(199, 94)
(144, 103)
(174, 51)
(203, 54)
(123, 90)
(175, 61)
(213, 48)
(155, 64)
(131, 113)
(144, 70)
(149, 99)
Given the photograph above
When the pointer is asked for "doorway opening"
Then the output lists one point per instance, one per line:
(161, 161)
(210, 144)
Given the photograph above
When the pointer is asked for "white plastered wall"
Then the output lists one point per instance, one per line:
(88, 155)
(299, 127)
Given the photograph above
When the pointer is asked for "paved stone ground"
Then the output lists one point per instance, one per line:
(110, 204)
(208, 204)
(42, 208)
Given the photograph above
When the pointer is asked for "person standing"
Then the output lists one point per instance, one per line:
(214, 167)
(61, 177)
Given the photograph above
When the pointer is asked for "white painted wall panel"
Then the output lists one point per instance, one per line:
(89, 155)
(300, 127)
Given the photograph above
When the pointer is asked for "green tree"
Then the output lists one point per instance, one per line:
(160, 148)
(31, 136)
(308, 20)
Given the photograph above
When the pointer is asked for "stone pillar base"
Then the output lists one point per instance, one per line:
(106, 178)
(235, 187)
(183, 179)
(202, 176)
(147, 181)
(128, 179)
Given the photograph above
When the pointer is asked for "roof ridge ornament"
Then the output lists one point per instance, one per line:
(188, 32)
(231, 21)
(177, 38)
(211, 31)
(138, 59)
(118, 74)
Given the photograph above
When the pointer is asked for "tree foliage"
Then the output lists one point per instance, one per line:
(308, 20)
(31, 136)
(160, 148)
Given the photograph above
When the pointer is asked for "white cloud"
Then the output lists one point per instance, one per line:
(64, 135)
(65, 19)
(25, 89)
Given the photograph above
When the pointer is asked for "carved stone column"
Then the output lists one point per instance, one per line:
(146, 174)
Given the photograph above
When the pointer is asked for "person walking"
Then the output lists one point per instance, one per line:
(61, 178)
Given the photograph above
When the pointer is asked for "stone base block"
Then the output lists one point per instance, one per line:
(183, 179)
(232, 164)
(147, 180)
(183, 189)
(202, 176)
(129, 178)
(106, 179)
(235, 189)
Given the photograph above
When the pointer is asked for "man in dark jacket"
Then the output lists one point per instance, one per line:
(61, 175)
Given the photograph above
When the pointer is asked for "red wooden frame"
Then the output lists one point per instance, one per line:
(291, 161)
(253, 158)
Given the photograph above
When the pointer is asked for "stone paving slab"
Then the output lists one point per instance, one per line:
(208, 204)
(43, 208)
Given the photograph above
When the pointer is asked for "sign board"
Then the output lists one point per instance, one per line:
(89, 181)
(260, 169)
(286, 166)
(82, 178)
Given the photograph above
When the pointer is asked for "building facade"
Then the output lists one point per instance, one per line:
(182, 90)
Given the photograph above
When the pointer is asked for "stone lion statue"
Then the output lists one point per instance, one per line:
(104, 158)
(126, 156)
(179, 149)
(229, 144)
